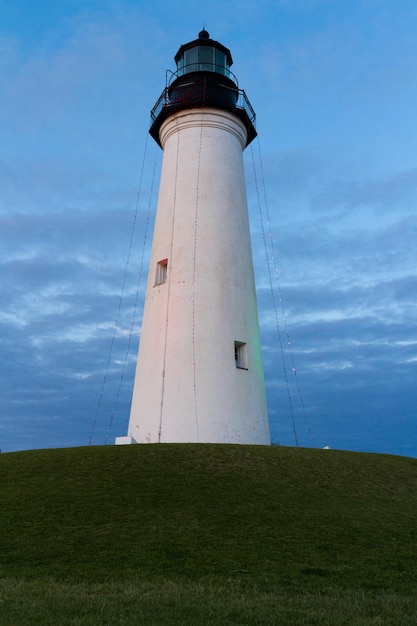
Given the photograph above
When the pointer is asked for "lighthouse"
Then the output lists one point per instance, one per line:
(199, 374)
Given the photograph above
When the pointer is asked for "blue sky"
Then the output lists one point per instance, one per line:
(334, 87)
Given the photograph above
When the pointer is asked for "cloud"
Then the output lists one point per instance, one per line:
(391, 194)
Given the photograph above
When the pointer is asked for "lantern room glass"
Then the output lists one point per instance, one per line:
(202, 59)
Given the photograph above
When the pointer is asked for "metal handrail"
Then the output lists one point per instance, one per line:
(201, 67)
(241, 103)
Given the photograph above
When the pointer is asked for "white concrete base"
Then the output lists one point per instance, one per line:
(124, 441)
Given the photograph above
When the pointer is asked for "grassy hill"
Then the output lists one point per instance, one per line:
(207, 534)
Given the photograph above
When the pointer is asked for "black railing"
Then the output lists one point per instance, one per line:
(164, 100)
(246, 106)
(200, 67)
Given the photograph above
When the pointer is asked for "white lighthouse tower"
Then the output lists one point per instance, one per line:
(199, 375)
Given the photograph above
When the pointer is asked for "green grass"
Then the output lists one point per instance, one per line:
(207, 534)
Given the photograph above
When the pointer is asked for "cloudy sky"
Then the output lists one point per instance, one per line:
(332, 189)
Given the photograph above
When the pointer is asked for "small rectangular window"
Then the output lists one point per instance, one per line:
(241, 355)
(161, 272)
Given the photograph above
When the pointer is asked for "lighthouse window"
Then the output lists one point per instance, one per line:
(191, 60)
(241, 355)
(161, 272)
(180, 66)
(205, 58)
(220, 62)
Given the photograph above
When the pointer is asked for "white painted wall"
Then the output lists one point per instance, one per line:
(187, 387)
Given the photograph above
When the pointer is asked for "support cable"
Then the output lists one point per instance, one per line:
(268, 263)
(278, 285)
(135, 307)
(116, 323)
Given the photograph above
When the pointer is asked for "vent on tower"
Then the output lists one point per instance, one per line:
(241, 355)
(161, 272)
